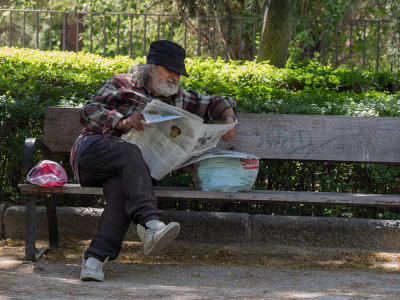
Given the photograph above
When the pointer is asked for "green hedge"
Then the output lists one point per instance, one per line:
(30, 80)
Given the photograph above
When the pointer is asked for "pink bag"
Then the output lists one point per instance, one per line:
(47, 173)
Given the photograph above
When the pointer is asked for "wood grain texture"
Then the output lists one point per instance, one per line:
(319, 138)
(271, 136)
(61, 128)
(253, 195)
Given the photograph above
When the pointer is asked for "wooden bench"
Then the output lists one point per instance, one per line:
(277, 137)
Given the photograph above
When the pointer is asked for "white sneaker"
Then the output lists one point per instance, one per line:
(92, 268)
(155, 235)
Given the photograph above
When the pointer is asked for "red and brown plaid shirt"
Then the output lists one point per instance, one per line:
(121, 96)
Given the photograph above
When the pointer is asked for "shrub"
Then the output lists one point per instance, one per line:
(30, 80)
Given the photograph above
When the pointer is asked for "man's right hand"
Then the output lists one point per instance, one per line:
(133, 121)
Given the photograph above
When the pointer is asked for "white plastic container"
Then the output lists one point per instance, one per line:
(226, 171)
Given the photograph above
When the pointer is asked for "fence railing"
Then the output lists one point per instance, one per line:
(361, 43)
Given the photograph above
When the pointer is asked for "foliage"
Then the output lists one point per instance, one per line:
(98, 30)
(30, 80)
(391, 9)
(226, 35)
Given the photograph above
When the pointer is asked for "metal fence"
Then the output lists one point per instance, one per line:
(361, 43)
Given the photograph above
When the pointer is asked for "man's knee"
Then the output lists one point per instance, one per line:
(130, 148)
(131, 154)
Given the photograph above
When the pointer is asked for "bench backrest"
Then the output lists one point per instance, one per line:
(273, 136)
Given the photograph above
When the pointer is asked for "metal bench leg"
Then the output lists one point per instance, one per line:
(52, 223)
(30, 228)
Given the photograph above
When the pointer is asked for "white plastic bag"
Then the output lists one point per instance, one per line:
(47, 173)
(226, 171)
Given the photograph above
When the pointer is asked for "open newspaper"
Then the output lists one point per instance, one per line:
(171, 136)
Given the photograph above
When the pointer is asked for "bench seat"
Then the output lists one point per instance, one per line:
(353, 199)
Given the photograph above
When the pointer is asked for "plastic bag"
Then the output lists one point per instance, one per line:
(226, 171)
(47, 173)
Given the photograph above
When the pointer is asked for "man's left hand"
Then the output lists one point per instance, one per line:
(229, 136)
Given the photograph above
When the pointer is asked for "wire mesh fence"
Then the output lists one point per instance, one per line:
(361, 43)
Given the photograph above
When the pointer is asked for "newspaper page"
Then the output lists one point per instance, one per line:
(171, 136)
(221, 153)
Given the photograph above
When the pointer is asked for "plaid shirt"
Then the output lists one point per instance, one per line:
(121, 96)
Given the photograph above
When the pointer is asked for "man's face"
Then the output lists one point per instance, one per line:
(164, 82)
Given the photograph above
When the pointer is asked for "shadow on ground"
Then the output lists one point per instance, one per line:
(203, 271)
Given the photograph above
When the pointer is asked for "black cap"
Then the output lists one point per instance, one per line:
(168, 54)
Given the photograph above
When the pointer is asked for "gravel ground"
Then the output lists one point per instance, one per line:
(198, 271)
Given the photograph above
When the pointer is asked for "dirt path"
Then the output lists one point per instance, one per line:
(187, 271)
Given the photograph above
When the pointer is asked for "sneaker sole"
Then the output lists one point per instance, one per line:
(91, 277)
(166, 236)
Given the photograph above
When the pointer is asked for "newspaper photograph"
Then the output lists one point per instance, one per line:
(171, 136)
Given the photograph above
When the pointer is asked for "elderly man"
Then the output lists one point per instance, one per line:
(101, 159)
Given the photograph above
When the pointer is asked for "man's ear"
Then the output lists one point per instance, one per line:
(152, 70)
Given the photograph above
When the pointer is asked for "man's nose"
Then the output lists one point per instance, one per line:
(175, 76)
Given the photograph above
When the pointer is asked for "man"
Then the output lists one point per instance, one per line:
(100, 158)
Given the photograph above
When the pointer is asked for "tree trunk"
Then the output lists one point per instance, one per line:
(275, 39)
(73, 33)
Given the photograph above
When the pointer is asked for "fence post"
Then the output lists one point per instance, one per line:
(23, 30)
(199, 36)
(213, 38)
(104, 34)
(50, 32)
(377, 46)
(308, 44)
(63, 32)
(77, 32)
(10, 30)
(185, 32)
(364, 41)
(144, 35)
(351, 42)
(130, 37)
(172, 29)
(37, 30)
(240, 38)
(322, 41)
(227, 44)
(118, 23)
(337, 44)
(254, 38)
(158, 27)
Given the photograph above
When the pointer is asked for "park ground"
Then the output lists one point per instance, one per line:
(203, 271)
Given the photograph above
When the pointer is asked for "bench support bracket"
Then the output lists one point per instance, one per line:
(30, 228)
(52, 222)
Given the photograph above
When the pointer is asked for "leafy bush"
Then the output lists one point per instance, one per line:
(30, 80)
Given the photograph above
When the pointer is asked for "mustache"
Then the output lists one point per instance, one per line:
(171, 80)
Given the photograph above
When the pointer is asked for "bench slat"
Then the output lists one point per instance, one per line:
(61, 128)
(319, 138)
(271, 136)
(253, 195)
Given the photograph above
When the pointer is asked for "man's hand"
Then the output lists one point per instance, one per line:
(230, 135)
(133, 121)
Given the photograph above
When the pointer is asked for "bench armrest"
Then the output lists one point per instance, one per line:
(30, 145)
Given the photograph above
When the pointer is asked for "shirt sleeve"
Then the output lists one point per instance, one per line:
(207, 107)
(100, 114)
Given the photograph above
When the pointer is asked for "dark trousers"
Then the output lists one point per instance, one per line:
(119, 168)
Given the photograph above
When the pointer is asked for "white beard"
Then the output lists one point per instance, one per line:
(165, 88)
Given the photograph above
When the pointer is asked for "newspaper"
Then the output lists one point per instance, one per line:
(247, 159)
(171, 136)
